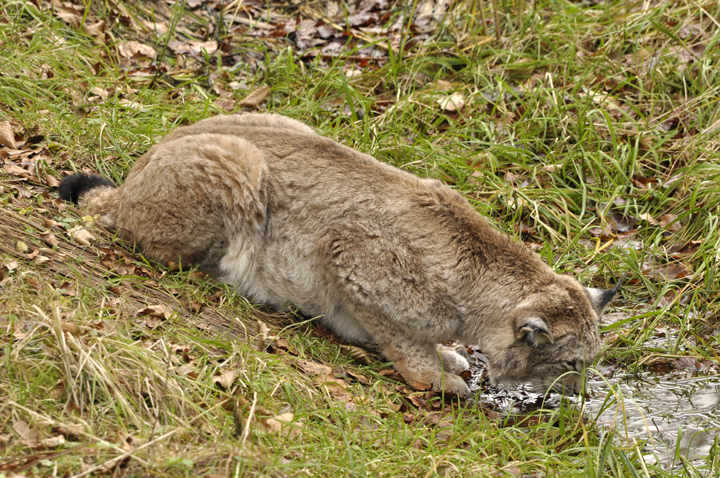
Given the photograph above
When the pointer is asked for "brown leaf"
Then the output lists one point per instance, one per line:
(134, 49)
(96, 29)
(226, 104)
(53, 442)
(256, 97)
(360, 355)
(672, 271)
(669, 222)
(70, 328)
(453, 102)
(647, 217)
(276, 424)
(97, 91)
(225, 379)
(360, 378)
(49, 223)
(81, 235)
(71, 431)
(336, 387)
(283, 344)
(314, 368)
(193, 47)
(160, 311)
(69, 15)
(49, 237)
(419, 385)
(42, 260)
(391, 374)
(28, 436)
(52, 181)
(683, 363)
(15, 170)
(152, 322)
(34, 283)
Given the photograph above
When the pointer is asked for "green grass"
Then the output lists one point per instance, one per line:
(582, 115)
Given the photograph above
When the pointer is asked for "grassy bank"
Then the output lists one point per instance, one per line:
(588, 131)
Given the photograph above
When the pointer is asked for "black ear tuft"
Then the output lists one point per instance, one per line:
(73, 187)
(600, 298)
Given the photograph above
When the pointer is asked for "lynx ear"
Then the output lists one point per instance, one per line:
(534, 331)
(600, 298)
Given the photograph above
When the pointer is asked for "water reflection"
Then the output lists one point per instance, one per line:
(653, 408)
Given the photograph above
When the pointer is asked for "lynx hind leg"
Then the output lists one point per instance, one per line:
(452, 361)
(420, 363)
(194, 195)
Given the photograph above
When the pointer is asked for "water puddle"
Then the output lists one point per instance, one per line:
(673, 412)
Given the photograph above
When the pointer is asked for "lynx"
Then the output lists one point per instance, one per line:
(385, 259)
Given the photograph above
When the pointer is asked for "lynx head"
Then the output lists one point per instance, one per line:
(555, 332)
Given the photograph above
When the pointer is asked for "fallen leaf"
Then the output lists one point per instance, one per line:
(193, 47)
(225, 379)
(277, 423)
(360, 378)
(52, 181)
(419, 385)
(256, 97)
(28, 436)
(49, 223)
(81, 235)
(53, 442)
(453, 102)
(314, 368)
(49, 237)
(97, 91)
(669, 222)
(226, 104)
(70, 328)
(96, 29)
(7, 135)
(683, 363)
(336, 387)
(135, 49)
(160, 311)
(670, 272)
(647, 217)
(360, 355)
(70, 431)
(16, 170)
(263, 335)
(34, 283)
(443, 85)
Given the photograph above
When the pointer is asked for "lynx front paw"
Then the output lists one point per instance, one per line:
(452, 361)
(448, 382)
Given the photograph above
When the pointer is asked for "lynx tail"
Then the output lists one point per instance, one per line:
(75, 186)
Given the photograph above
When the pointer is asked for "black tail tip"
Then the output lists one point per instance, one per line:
(73, 187)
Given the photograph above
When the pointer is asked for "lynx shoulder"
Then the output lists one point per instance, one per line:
(385, 258)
